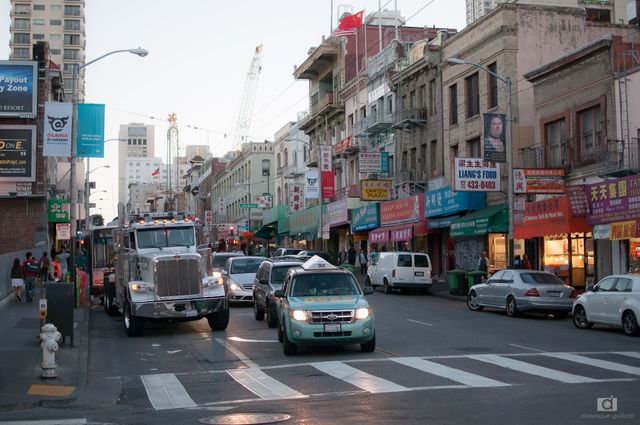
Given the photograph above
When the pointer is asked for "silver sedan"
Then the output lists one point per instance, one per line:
(517, 291)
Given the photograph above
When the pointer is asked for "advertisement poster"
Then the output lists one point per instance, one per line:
(311, 185)
(264, 201)
(400, 211)
(495, 147)
(578, 200)
(58, 122)
(90, 130)
(18, 153)
(296, 198)
(376, 190)
(63, 231)
(365, 218)
(539, 180)
(614, 200)
(18, 89)
(222, 207)
(370, 162)
(328, 185)
(476, 175)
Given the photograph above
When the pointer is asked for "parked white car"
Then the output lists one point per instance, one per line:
(615, 301)
(400, 270)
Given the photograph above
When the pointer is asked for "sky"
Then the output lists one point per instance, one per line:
(199, 55)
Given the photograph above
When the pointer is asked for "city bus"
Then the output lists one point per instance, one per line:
(100, 256)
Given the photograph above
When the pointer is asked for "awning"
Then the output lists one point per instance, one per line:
(493, 219)
(380, 235)
(549, 217)
(267, 231)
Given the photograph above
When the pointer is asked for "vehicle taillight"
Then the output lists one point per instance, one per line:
(533, 292)
(574, 293)
(393, 273)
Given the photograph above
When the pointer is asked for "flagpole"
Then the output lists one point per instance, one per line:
(379, 26)
(397, 19)
(331, 17)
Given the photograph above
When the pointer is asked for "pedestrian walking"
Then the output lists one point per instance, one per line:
(63, 259)
(30, 269)
(362, 258)
(44, 267)
(483, 262)
(351, 255)
(17, 279)
(342, 256)
(526, 264)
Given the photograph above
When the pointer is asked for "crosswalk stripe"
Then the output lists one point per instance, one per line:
(47, 422)
(166, 392)
(532, 369)
(602, 364)
(633, 354)
(450, 373)
(262, 385)
(356, 377)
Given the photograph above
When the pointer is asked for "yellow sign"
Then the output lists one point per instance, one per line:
(375, 190)
(623, 230)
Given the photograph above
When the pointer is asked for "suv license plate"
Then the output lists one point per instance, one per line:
(332, 327)
(192, 313)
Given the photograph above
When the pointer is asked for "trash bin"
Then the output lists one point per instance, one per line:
(60, 305)
(457, 281)
(474, 278)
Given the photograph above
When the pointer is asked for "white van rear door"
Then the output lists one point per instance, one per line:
(404, 268)
(422, 268)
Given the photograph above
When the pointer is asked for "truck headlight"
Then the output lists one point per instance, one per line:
(141, 287)
(299, 315)
(362, 313)
(212, 281)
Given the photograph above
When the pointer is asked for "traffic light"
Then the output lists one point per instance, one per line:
(230, 230)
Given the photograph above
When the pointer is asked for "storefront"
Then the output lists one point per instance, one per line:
(563, 242)
(441, 208)
(269, 231)
(482, 230)
(614, 213)
(364, 220)
(404, 223)
(303, 228)
(337, 218)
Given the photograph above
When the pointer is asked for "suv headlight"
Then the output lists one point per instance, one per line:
(299, 315)
(141, 287)
(362, 313)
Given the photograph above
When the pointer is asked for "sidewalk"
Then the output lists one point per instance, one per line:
(20, 384)
(439, 288)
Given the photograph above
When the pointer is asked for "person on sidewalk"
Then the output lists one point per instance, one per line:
(17, 279)
(526, 264)
(63, 259)
(351, 255)
(483, 262)
(362, 258)
(44, 267)
(30, 269)
(342, 256)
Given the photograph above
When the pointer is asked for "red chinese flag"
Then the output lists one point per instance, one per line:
(351, 22)
(156, 172)
(328, 185)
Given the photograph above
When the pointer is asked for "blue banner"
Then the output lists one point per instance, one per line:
(18, 89)
(445, 201)
(384, 162)
(365, 218)
(90, 130)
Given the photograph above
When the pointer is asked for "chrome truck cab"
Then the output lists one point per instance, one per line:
(161, 275)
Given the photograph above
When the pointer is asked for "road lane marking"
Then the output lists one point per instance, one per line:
(166, 392)
(262, 385)
(633, 354)
(48, 422)
(532, 369)
(239, 354)
(356, 377)
(527, 348)
(602, 364)
(238, 339)
(422, 323)
(450, 373)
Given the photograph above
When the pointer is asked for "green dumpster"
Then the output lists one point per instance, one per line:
(349, 267)
(457, 280)
(474, 278)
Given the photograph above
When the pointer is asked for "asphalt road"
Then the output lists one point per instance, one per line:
(436, 363)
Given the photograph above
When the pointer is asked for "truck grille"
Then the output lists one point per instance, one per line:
(177, 277)
(344, 316)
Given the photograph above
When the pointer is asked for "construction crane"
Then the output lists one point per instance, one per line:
(248, 99)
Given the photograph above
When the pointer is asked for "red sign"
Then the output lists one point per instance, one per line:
(539, 180)
(400, 211)
(402, 234)
(328, 184)
(379, 236)
(343, 145)
(549, 217)
(578, 200)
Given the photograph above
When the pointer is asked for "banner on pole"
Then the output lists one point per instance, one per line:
(311, 185)
(90, 130)
(58, 122)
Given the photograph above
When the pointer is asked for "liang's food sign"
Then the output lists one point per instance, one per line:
(476, 175)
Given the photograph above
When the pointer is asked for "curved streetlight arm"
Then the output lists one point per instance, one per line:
(140, 52)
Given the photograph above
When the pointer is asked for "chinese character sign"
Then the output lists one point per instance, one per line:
(222, 207)
(370, 162)
(614, 200)
(296, 198)
(375, 190)
(325, 157)
(539, 180)
(59, 210)
(476, 175)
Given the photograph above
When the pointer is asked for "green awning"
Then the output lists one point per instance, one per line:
(267, 231)
(493, 219)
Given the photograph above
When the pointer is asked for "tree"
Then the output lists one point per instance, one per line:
(97, 220)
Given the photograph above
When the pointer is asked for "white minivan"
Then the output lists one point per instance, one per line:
(400, 270)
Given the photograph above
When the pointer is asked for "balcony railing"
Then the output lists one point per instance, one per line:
(374, 124)
(414, 116)
(619, 158)
(534, 157)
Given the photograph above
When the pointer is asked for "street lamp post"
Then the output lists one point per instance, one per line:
(73, 189)
(87, 193)
(507, 82)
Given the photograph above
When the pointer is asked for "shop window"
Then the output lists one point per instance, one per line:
(497, 252)
(556, 258)
(634, 255)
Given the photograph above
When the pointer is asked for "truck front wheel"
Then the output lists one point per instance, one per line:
(132, 324)
(219, 320)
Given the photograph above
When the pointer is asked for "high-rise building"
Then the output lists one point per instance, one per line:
(61, 23)
(136, 158)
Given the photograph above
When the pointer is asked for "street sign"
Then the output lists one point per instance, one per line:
(248, 205)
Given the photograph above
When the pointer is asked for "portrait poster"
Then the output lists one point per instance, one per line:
(495, 147)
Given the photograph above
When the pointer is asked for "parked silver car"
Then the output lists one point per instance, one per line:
(517, 291)
(614, 301)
